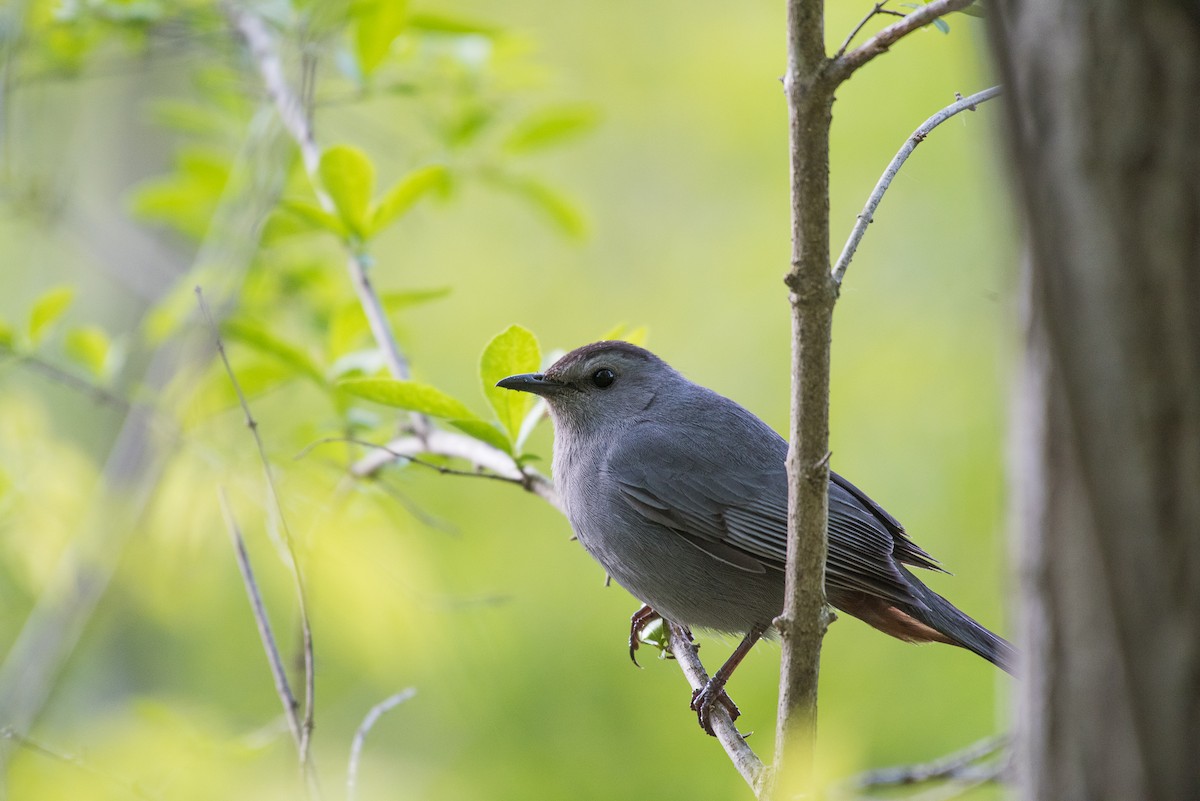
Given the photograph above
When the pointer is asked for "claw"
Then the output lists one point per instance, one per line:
(705, 700)
(637, 624)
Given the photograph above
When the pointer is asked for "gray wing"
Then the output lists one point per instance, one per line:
(727, 495)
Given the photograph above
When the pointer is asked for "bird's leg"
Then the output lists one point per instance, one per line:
(637, 624)
(713, 693)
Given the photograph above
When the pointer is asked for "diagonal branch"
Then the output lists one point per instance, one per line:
(844, 65)
(918, 136)
(304, 731)
(740, 753)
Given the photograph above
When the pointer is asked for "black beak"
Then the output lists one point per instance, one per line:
(537, 383)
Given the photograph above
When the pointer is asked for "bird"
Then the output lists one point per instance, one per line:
(681, 495)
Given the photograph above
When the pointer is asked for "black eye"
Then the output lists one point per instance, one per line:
(603, 378)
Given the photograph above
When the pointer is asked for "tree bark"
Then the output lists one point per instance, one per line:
(1103, 119)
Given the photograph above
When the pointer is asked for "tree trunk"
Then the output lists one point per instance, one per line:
(1104, 114)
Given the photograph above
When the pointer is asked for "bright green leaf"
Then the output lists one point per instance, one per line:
(485, 432)
(551, 126)
(447, 24)
(377, 25)
(634, 336)
(268, 344)
(553, 205)
(7, 336)
(411, 395)
(348, 177)
(312, 216)
(89, 347)
(514, 350)
(47, 309)
(406, 192)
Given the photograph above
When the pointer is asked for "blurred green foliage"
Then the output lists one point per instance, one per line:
(526, 167)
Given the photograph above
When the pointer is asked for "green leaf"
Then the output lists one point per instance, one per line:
(514, 350)
(186, 198)
(978, 9)
(411, 395)
(551, 126)
(553, 205)
(377, 26)
(268, 344)
(47, 309)
(348, 177)
(312, 216)
(404, 194)
(635, 336)
(485, 432)
(89, 347)
(452, 25)
(941, 25)
(7, 336)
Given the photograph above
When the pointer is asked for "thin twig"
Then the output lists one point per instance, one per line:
(460, 446)
(360, 736)
(740, 753)
(950, 766)
(878, 9)
(291, 707)
(30, 744)
(55, 373)
(411, 459)
(289, 543)
(841, 67)
(918, 136)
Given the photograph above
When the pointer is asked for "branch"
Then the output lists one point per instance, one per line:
(956, 767)
(805, 617)
(295, 120)
(55, 373)
(291, 707)
(360, 736)
(459, 446)
(878, 9)
(131, 789)
(918, 136)
(843, 66)
(740, 753)
(304, 731)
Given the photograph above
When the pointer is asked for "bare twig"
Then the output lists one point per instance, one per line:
(289, 544)
(65, 377)
(37, 747)
(480, 472)
(460, 446)
(740, 753)
(360, 736)
(918, 136)
(949, 766)
(877, 9)
(841, 67)
(283, 688)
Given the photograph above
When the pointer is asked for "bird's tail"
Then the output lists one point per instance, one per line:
(959, 628)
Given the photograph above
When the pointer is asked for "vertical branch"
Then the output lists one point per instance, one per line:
(812, 294)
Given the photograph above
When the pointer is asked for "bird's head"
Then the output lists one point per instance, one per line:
(600, 385)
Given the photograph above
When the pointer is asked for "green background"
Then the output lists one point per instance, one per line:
(470, 590)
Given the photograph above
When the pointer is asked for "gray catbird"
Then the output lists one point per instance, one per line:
(681, 495)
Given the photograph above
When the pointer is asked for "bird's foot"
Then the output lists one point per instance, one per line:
(706, 699)
(641, 619)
